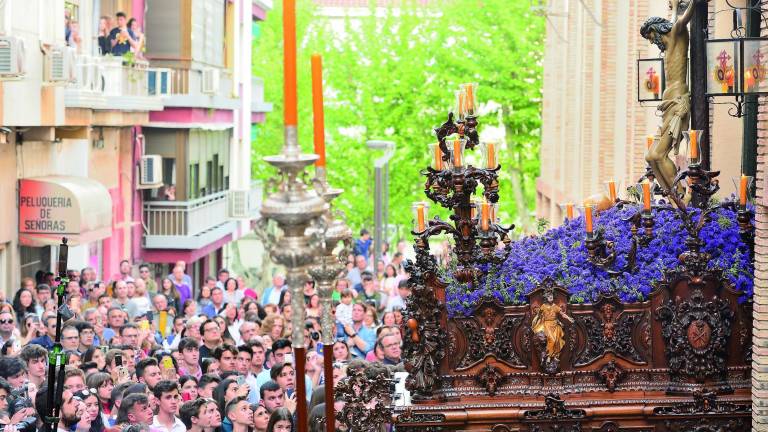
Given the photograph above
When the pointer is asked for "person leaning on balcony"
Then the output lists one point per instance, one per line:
(105, 47)
(120, 38)
(138, 36)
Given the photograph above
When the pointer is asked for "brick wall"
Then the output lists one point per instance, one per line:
(760, 314)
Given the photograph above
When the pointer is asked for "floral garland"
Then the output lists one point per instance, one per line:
(561, 254)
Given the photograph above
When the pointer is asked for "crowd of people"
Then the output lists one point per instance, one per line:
(174, 354)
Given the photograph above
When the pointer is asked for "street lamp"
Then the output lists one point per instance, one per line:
(381, 193)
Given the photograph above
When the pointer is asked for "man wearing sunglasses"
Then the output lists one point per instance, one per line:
(6, 327)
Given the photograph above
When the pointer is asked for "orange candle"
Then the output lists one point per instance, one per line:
(743, 183)
(569, 211)
(491, 149)
(649, 141)
(588, 218)
(646, 195)
(457, 153)
(470, 98)
(420, 217)
(317, 109)
(462, 108)
(438, 157)
(485, 216)
(694, 147)
(289, 62)
(612, 190)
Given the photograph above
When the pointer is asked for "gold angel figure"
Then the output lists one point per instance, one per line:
(546, 322)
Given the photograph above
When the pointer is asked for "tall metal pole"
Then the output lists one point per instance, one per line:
(381, 165)
(699, 102)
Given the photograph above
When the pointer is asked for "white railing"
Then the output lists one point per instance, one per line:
(185, 218)
(124, 79)
(89, 74)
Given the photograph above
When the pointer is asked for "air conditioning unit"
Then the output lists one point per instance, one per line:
(59, 63)
(12, 57)
(150, 172)
(240, 205)
(210, 81)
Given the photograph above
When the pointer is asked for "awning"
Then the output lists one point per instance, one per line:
(60, 206)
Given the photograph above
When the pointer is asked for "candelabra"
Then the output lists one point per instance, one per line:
(702, 185)
(474, 229)
(293, 206)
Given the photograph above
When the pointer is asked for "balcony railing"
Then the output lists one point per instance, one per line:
(186, 224)
(111, 83)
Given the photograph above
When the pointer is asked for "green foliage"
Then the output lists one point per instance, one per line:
(391, 75)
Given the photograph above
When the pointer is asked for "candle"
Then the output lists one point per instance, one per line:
(438, 158)
(289, 62)
(649, 142)
(569, 211)
(612, 190)
(646, 195)
(694, 146)
(491, 158)
(588, 218)
(317, 109)
(485, 216)
(462, 104)
(743, 183)
(473, 209)
(470, 98)
(420, 217)
(457, 153)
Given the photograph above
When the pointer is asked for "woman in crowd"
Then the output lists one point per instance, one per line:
(227, 390)
(341, 351)
(371, 321)
(138, 36)
(24, 303)
(168, 288)
(188, 385)
(388, 319)
(281, 420)
(232, 292)
(285, 298)
(313, 308)
(92, 416)
(95, 355)
(189, 308)
(30, 328)
(103, 384)
(273, 326)
(260, 418)
(105, 26)
(210, 366)
(204, 298)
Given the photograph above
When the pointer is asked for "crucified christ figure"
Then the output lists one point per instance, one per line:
(672, 39)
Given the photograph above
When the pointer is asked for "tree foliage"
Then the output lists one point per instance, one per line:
(390, 74)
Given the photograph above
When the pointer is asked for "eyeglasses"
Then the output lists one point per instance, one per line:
(10, 321)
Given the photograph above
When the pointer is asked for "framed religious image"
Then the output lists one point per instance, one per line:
(650, 79)
(723, 78)
(755, 60)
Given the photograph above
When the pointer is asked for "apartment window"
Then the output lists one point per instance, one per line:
(33, 259)
(216, 184)
(209, 177)
(194, 181)
(208, 31)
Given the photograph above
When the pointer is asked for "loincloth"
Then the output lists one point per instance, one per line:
(680, 106)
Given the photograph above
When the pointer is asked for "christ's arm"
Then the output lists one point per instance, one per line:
(687, 15)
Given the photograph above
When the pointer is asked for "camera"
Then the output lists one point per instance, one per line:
(314, 335)
(17, 401)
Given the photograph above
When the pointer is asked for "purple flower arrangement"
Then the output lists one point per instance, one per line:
(561, 254)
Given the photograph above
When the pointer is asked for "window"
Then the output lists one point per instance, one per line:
(194, 181)
(208, 31)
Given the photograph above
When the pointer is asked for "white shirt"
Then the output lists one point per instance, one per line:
(178, 426)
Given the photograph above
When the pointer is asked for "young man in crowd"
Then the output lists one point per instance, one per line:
(207, 385)
(71, 409)
(36, 358)
(46, 341)
(257, 368)
(226, 354)
(200, 415)
(168, 399)
(148, 372)
(189, 358)
(135, 409)
(13, 370)
(239, 413)
(70, 338)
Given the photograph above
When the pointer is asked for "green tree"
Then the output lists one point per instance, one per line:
(391, 75)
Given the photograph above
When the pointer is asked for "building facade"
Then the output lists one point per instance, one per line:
(141, 156)
(594, 129)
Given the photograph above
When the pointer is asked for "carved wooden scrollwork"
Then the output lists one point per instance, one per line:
(611, 375)
(696, 333)
(609, 329)
(490, 334)
(367, 399)
(424, 344)
(554, 409)
(490, 377)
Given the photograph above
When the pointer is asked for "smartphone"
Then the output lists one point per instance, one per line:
(118, 360)
(167, 362)
(288, 358)
(104, 349)
(319, 348)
